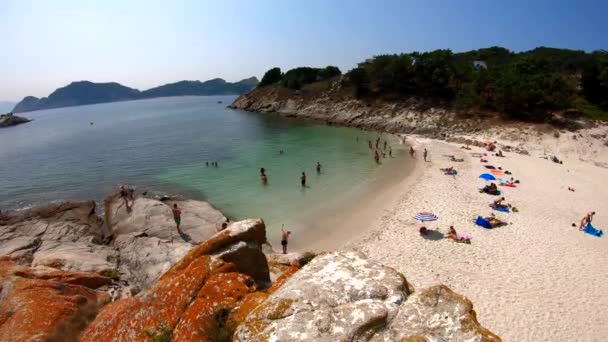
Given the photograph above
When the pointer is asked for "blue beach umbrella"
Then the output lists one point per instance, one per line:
(425, 216)
(487, 176)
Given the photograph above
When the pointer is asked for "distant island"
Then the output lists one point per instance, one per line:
(85, 92)
(9, 119)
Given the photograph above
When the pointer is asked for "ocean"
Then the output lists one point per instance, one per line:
(165, 144)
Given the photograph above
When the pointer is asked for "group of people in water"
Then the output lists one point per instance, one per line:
(379, 152)
(214, 164)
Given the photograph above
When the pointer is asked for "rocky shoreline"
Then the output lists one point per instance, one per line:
(132, 276)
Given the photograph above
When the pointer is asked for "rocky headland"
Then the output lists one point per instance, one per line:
(68, 274)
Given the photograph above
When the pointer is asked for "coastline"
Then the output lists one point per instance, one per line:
(342, 219)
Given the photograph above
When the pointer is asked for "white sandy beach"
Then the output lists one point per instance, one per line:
(536, 279)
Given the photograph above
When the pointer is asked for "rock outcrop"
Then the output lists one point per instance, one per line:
(146, 236)
(39, 304)
(345, 297)
(218, 290)
(193, 300)
(136, 246)
(63, 235)
(7, 120)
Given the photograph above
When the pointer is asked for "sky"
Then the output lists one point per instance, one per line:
(142, 44)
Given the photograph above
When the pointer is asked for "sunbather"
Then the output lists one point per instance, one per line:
(491, 189)
(494, 222)
(452, 234)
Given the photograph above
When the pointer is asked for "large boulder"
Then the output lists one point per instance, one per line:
(345, 297)
(155, 218)
(42, 304)
(194, 299)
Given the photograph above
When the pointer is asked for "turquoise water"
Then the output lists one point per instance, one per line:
(164, 144)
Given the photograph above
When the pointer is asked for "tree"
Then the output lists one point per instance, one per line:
(271, 76)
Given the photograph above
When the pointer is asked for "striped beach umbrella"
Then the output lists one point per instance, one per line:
(425, 216)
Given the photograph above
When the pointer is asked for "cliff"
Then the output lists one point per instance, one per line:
(331, 102)
(230, 286)
(85, 92)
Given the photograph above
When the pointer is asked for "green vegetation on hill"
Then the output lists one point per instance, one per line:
(527, 85)
(296, 78)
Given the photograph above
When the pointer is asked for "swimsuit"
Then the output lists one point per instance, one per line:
(284, 242)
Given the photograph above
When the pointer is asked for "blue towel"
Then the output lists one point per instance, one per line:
(483, 222)
(503, 209)
(589, 229)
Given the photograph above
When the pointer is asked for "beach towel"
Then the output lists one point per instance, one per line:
(509, 185)
(483, 222)
(452, 173)
(589, 229)
(490, 167)
(503, 209)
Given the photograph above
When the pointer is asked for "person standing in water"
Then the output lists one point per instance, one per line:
(377, 142)
(385, 145)
(412, 151)
(318, 168)
(369, 144)
(177, 215)
(377, 157)
(303, 180)
(284, 238)
(425, 154)
(390, 151)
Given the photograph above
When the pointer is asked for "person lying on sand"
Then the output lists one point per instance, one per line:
(494, 222)
(447, 169)
(491, 189)
(586, 220)
(452, 234)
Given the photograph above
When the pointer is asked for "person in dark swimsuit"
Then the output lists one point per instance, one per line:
(318, 168)
(124, 194)
(284, 238)
(303, 179)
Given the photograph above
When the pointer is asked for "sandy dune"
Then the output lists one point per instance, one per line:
(536, 279)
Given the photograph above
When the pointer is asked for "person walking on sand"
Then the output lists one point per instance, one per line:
(318, 168)
(303, 180)
(177, 215)
(425, 153)
(284, 238)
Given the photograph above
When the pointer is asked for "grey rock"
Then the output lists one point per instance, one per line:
(343, 296)
(248, 259)
(143, 259)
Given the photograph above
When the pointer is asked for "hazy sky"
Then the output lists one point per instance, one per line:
(47, 44)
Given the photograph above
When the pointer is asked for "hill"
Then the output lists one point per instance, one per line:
(85, 92)
(527, 86)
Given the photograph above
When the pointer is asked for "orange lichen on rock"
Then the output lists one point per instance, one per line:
(163, 304)
(282, 278)
(38, 309)
(206, 318)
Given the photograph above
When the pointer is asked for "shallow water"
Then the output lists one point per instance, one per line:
(164, 144)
